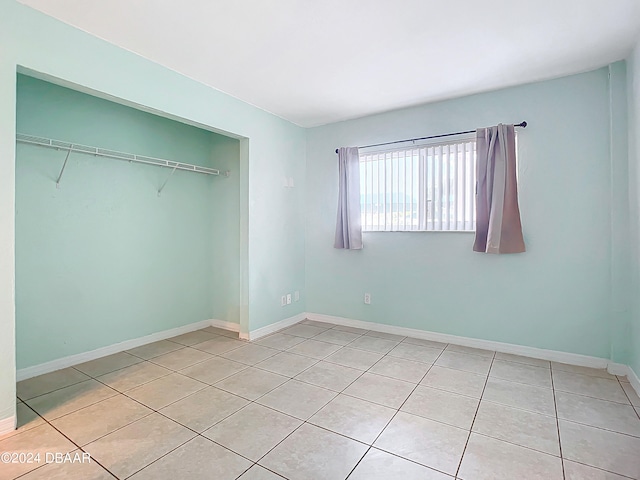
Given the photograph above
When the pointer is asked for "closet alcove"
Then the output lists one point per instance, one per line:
(108, 249)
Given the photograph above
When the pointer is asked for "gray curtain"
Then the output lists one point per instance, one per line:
(498, 226)
(348, 225)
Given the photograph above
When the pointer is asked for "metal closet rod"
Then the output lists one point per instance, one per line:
(521, 124)
(102, 152)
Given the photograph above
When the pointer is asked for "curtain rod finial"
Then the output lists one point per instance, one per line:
(523, 124)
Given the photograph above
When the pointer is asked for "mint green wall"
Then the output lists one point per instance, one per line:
(562, 294)
(103, 259)
(557, 295)
(621, 269)
(7, 235)
(225, 215)
(633, 72)
(270, 148)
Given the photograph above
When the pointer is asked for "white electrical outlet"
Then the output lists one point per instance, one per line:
(288, 299)
(283, 301)
(288, 182)
(367, 298)
(296, 296)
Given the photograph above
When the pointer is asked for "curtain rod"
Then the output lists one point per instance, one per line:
(521, 124)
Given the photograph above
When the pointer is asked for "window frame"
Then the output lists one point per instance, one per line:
(417, 145)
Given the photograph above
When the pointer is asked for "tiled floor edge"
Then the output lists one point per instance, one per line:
(71, 360)
(533, 352)
(634, 380)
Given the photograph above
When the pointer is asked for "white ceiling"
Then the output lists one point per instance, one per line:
(321, 61)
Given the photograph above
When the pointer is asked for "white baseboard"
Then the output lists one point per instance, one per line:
(76, 359)
(274, 327)
(231, 326)
(552, 355)
(7, 425)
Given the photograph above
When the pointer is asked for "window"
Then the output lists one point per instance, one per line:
(421, 188)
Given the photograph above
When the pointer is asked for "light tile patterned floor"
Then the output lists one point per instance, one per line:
(317, 401)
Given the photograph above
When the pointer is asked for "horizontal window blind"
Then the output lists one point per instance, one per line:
(425, 188)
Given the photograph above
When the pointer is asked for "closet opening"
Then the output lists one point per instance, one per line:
(111, 244)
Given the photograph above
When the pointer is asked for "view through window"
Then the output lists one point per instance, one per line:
(419, 188)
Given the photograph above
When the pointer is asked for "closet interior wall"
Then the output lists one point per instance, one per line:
(103, 258)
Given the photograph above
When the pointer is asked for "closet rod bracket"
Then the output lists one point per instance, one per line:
(165, 182)
(64, 165)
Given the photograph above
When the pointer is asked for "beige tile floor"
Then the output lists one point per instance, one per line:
(319, 401)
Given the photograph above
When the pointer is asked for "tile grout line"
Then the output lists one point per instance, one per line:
(80, 408)
(559, 390)
(291, 378)
(171, 372)
(340, 392)
(197, 434)
(395, 414)
(237, 411)
(288, 378)
(628, 398)
(250, 467)
(601, 428)
(195, 363)
(304, 421)
(153, 410)
(210, 385)
(601, 469)
(174, 371)
(183, 346)
(148, 359)
(267, 469)
(47, 422)
(587, 396)
(544, 415)
(206, 438)
(56, 390)
(162, 456)
(464, 450)
(555, 406)
(200, 434)
(363, 372)
(511, 442)
(397, 410)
